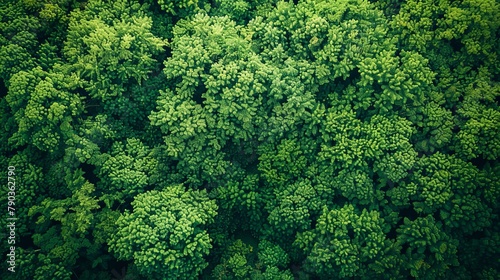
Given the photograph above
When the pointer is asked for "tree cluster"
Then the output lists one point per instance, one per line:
(310, 139)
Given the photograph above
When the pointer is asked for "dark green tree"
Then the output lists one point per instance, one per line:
(430, 252)
(348, 243)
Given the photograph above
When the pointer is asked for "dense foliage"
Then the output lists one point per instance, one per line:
(310, 139)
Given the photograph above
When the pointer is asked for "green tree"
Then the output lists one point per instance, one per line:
(305, 139)
(44, 107)
(430, 250)
(348, 243)
(245, 198)
(28, 181)
(213, 101)
(240, 261)
(165, 234)
(478, 118)
(62, 227)
(129, 169)
(443, 28)
(449, 186)
(110, 46)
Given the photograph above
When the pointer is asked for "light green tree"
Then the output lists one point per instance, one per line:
(45, 108)
(165, 233)
(111, 46)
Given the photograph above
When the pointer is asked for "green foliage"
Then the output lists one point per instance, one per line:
(28, 179)
(354, 150)
(347, 244)
(126, 171)
(62, 228)
(26, 28)
(44, 107)
(456, 36)
(47, 56)
(389, 7)
(449, 186)
(50, 269)
(8, 127)
(164, 234)
(18, 39)
(91, 137)
(435, 125)
(345, 41)
(245, 198)
(134, 105)
(110, 47)
(272, 255)
(251, 139)
(432, 183)
(467, 213)
(282, 164)
(431, 251)
(14, 59)
(490, 183)
(182, 8)
(294, 209)
(241, 262)
(473, 23)
(208, 103)
(237, 262)
(479, 255)
(75, 212)
(479, 119)
(241, 11)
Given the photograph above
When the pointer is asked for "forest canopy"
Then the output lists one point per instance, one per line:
(309, 139)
